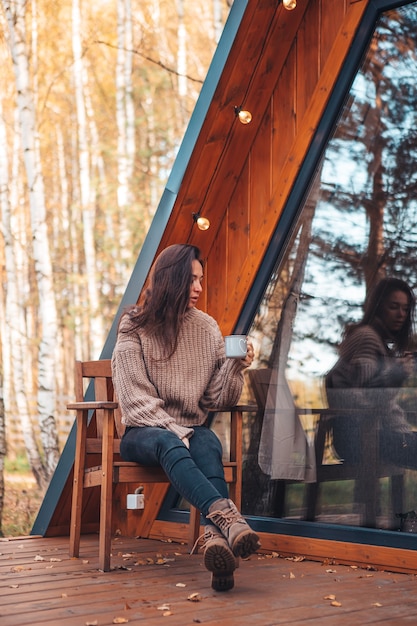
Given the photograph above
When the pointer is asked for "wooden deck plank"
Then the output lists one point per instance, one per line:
(41, 585)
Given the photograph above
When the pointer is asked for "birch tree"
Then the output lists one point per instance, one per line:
(125, 117)
(15, 13)
(14, 345)
(182, 51)
(87, 195)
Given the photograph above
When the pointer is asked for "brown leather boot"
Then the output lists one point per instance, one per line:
(218, 559)
(242, 540)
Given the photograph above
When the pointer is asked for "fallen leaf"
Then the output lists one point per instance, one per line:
(120, 620)
(194, 597)
(292, 575)
(94, 623)
(166, 614)
(330, 597)
(38, 557)
(180, 585)
(376, 604)
(14, 586)
(331, 571)
(335, 603)
(164, 607)
(64, 595)
(55, 560)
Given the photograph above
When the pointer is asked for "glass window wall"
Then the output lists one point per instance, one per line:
(335, 377)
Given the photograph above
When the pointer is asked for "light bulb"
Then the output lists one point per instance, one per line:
(203, 223)
(289, 4)
(245, 117)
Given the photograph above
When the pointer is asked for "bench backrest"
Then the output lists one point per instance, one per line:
(99, 375)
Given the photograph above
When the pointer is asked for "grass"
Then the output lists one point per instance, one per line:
(22, 499)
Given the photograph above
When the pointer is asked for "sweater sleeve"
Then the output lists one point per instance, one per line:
(365, 376)
(225, 386)
(371, 367)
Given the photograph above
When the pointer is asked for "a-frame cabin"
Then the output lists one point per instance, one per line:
(277, 192)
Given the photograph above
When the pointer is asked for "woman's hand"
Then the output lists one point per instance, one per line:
(183, 432)
(250, 354)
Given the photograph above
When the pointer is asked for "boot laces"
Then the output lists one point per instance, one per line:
(225, 519)
(210, 533)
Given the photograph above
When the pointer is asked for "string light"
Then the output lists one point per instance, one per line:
(289, 4)
(203, 223)
(245, 117)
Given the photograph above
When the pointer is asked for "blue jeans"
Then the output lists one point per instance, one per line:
(197, 474)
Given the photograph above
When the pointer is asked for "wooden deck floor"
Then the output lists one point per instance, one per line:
(157, 582)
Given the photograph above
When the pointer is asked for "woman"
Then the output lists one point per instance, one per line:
(169, 369)
(374, 362)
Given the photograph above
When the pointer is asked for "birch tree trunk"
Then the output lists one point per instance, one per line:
(217, 19)
(2, 454)
(182, 51)
(2, 335)
(86, 189)
(125, 116)
(15, 344)
(15, 15)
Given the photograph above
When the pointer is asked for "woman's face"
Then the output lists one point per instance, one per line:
(196, 288)
(395, 311)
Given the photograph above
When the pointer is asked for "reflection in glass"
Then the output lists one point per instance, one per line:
(358, 225)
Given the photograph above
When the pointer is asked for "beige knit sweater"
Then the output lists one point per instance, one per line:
(367, 377)
(179, 391)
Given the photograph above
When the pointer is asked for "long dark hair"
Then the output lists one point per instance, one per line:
(374, 305)
(165, 298)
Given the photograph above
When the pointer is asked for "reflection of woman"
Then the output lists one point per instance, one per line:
(169, 369)
(373, 364)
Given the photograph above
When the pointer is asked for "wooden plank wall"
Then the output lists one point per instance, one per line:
(242, 175)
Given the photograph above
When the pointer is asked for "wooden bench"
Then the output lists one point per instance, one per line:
(98, 462)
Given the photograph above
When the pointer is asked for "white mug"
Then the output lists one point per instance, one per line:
(236, 346)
